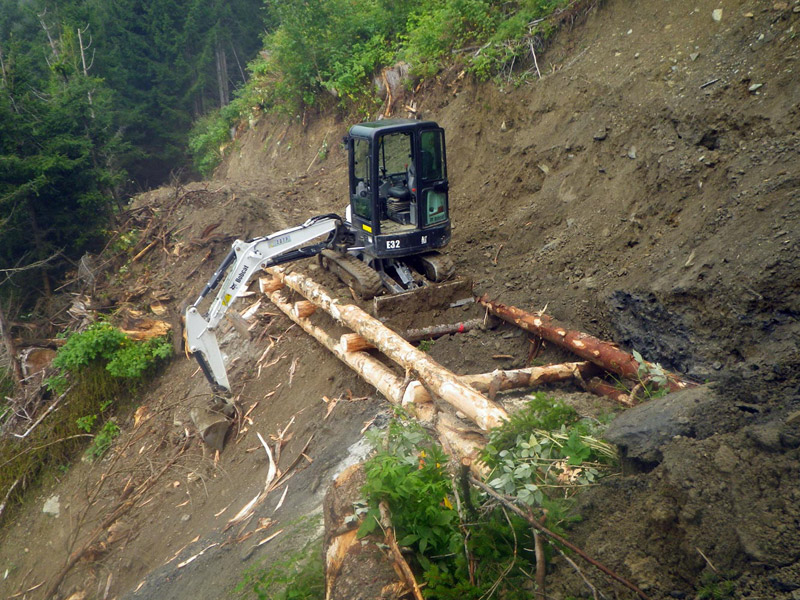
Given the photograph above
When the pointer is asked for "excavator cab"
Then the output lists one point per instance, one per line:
(398, 189)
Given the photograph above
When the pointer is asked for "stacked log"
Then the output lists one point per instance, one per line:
(442, 382)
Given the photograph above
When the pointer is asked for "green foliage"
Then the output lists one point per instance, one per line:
(122, 357)
(425, 345)
(716, 586)
(86, 423)
(320, 53)
(102, 441)
(470, 554)
(98, 369)
(545, 452)
(410, 476)
(652, 377)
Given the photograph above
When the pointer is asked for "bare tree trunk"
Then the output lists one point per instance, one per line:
(222, 76)
(442, 382)
(530, 377)
(605, 354)
(85, 68)
(11, 349)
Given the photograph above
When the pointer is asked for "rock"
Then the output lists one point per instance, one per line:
(725, 459)
(766, 435)
(693, 56)
(632, 152)
(755, 87)
(52, 506)
(601, 135)
(642, 431)
(716, 14)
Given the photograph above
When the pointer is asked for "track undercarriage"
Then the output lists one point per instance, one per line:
(426, 279)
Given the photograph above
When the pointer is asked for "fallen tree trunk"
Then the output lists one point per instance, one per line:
(413, 395)
(479, 409)
(604, 354)
(356, 342)
(460, 441)
(436, 331)
(499, 380)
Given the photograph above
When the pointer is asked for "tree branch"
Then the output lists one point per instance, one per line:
(554, 536)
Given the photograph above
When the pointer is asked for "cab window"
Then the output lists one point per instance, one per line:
(362, 183)
(431, 159)
(395, 154)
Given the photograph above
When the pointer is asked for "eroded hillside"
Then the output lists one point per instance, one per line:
(645, 190)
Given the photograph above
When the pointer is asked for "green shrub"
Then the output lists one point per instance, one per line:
(102, 441)
(465, 554)
(323, 53)
(105, 344)
(97, 369)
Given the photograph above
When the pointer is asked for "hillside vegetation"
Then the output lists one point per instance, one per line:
(644, 190)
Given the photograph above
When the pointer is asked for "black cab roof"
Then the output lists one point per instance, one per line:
(371, 129)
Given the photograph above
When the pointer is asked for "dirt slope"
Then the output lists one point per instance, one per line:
(645, 190)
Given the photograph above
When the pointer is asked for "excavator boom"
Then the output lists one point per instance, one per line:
(241, 264)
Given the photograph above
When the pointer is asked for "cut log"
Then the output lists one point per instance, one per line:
(354, 568)
(352, 342)
(412, 395)
(267, 285)
(529, 377)
(604, 354)
(144, 329)
(602, 388)
(303, 309)
(461, 443)
(442, 382)
(436, 331)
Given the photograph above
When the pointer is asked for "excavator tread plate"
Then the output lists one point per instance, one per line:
(355, 273)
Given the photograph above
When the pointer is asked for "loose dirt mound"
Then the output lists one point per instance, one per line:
(645, 190)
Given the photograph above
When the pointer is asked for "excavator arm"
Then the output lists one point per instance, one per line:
(239, 267)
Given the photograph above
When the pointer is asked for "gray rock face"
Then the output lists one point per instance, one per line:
(642, 431)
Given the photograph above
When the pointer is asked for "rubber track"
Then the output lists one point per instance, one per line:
(443, 264)
(355, 273)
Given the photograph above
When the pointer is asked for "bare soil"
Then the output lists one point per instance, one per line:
(645, 190)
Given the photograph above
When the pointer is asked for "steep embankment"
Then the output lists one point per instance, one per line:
(645, 190)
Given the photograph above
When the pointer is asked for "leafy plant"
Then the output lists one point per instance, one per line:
(536, 459)
(106, 344)
(102, 441)
(464, 554)
(86, 422)
(716, 586)
(652, 377)
(410, 476)
(425, 345)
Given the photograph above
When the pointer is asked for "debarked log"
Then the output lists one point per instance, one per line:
(436, 331)
(602, 353)
(412, 395)
(499, 380)
(442, 382)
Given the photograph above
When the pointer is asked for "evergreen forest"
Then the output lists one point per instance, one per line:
(100, 100)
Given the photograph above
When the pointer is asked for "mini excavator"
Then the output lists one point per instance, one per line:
(396, 221)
